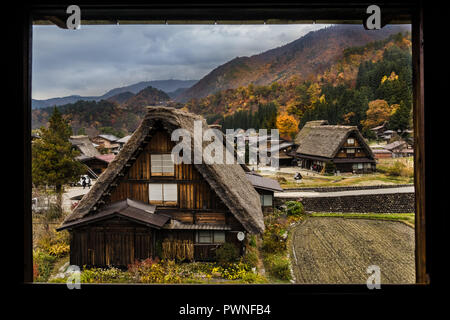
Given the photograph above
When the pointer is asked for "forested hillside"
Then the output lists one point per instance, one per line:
(366, 86)
(305, 57)
(117, 114)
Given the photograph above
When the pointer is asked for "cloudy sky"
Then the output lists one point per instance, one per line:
(95, 59)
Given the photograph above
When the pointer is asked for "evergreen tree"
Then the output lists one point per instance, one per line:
(53, 159)
(401, 119)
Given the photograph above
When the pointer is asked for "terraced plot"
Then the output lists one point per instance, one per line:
(337, 250)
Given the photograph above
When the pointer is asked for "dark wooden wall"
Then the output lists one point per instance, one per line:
(197, 202)
(115, 242)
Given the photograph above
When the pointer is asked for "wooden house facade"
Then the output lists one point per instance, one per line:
(344, 146)
(266, 189)
(144, 201)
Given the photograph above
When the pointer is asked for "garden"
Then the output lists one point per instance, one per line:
(265, 258)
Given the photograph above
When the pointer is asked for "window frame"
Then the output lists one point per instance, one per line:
(351, 13)
(163, 201)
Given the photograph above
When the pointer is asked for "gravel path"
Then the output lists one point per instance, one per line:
(338, 251)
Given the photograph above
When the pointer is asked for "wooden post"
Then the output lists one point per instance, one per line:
(419, 143)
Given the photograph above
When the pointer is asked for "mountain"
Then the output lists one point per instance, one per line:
(311, 54)
(121, 97)
(91, 117)
(147, 97)
(164, 85)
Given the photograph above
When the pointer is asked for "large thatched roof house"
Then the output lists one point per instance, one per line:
(343, 146)
(144, 203)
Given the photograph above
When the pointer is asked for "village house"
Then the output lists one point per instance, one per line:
(380, 153)
(90, 156)
(266, 188)
(283, 149)
(144, 202)
(122, 142)
(344, 146)
(107, 142)
(379, 130)
(399, 149)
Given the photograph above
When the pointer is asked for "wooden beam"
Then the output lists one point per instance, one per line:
(419, 144)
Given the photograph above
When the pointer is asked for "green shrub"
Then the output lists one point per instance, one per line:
(251, 277)
(227, 253)
(252, 240)
(294, 208)
(42, 265)
(251, 257)
(278, 266)
(108, 275)
(329, 168)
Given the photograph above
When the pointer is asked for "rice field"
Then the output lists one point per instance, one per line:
(331, 250)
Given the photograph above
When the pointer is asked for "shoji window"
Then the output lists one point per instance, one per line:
(163, 193)
(162, 165)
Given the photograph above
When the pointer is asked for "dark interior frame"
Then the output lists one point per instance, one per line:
(233, 12)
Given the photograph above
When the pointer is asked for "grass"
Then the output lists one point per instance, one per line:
(382, 177)
(407, 218)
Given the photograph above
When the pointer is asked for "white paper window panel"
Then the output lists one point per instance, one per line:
(204, 237)
(155, 192)
(170, 192)
(219, 236)
(267, 200)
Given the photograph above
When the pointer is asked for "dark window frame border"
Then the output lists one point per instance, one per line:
(239, 13)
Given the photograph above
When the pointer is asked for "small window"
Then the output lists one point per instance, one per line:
(219, 236)
(351, 151)
(360, 165)
(204, 237)
(163, 193)
(208, 237)
(350, 141)
(162, 165)
(266, 200)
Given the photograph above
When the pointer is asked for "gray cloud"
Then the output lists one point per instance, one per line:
(94, 59)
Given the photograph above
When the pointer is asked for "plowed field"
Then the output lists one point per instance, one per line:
(337, 250)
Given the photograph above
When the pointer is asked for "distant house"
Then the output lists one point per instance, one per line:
(378, 131)
(107, 141)
(266, 188)
(381, 153)
(399, 148)
(284, 149)
(122, 142)
(344, 146)
(90, 156)
(144, 202)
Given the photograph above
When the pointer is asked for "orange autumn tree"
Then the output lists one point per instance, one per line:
(379, 112)
(287, 126)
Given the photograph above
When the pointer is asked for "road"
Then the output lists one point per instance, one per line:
(339, 251)
(312, 194)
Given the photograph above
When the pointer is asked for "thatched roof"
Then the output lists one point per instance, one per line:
(84, 145)
(228, 180)
(321, 140)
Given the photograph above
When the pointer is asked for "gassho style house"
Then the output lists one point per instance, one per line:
(144, 200)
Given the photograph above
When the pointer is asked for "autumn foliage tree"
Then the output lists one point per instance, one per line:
(379, 112)
(287, 126)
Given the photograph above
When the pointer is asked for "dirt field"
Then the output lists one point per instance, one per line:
(336, 250)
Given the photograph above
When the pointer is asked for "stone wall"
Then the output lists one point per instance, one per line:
(349, 188)
(376, 203)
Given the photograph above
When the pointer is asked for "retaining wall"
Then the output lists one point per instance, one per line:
(376, 203)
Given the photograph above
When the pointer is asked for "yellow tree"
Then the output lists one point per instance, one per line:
(379, 111)
(287, 126)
